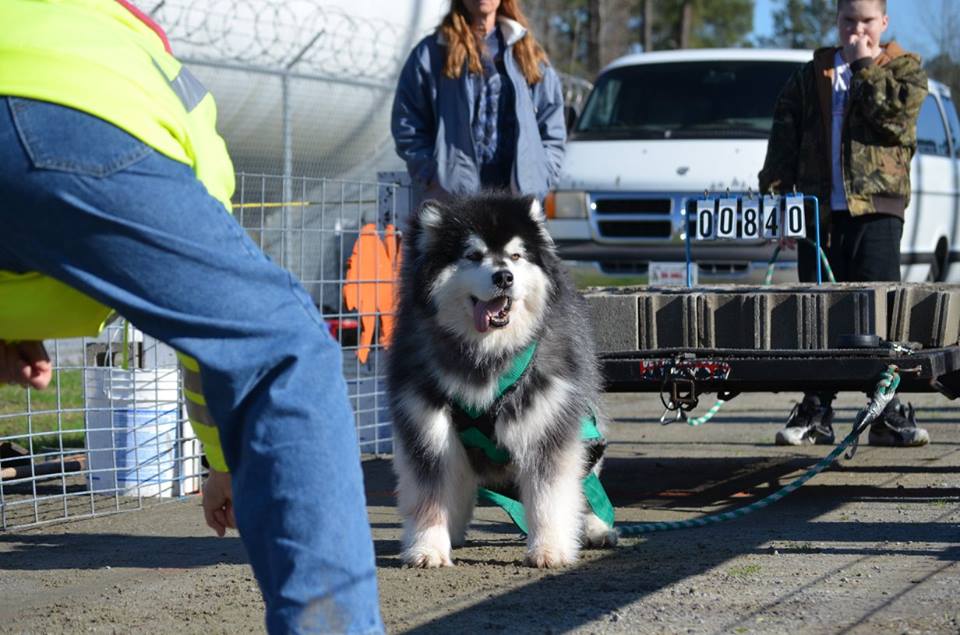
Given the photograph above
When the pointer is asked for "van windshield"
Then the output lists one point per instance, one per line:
(685, 100)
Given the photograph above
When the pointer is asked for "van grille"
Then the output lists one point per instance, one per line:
(633, 206)
(638, 229)
(626, 218)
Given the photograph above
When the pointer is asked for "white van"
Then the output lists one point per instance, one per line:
(659, 129)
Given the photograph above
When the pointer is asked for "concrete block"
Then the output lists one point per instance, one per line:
(730, 320)
(614, 317)
(668, 320)
(925, 313)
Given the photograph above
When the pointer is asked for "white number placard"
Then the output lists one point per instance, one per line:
(751, 220)
(727, 218)
(794, 225)
(750, 217)
(772, 219)
(706, 227)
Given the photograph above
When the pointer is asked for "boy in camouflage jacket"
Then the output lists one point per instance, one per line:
(845, 131)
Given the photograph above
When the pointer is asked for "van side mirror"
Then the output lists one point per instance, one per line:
(570, 117)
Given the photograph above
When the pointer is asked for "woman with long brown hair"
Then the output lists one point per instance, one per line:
(478, 105)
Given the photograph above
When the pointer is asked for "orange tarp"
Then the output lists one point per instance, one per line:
(370, 288)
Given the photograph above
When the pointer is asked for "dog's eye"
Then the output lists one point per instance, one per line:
(514, 257)
(475, 256)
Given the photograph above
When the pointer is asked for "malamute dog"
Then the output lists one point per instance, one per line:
(490, 334)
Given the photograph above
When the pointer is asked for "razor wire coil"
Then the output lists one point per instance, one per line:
(282, 35)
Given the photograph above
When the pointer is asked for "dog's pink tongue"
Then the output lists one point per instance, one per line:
(483, 311)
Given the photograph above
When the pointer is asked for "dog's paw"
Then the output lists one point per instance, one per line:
(597, 534)
(423, 557)
(548, 558)
(601, 539)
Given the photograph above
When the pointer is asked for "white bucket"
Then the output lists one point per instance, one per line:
(132, 418)
(189, 465)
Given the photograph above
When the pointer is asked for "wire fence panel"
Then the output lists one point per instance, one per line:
(341, 239)
(107, 435)
(110, 433)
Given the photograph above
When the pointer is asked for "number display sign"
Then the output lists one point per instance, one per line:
(750, 217)
(706, 227)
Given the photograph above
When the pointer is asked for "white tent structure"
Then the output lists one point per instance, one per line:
(303, 86)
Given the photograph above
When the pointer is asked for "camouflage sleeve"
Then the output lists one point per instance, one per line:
(889, 98)
(779, 171)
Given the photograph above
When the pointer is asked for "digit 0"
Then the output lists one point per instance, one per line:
(726, 220)
(796, 219)
(705, 223)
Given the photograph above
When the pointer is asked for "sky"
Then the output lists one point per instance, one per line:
(906, 22)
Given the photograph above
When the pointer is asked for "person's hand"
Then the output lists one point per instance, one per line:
(218, 502)
(788, 243)
(26, 364)
(858, 47)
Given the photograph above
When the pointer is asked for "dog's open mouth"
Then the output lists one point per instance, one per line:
(492, 313)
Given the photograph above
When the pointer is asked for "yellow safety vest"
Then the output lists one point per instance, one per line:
(99, 57)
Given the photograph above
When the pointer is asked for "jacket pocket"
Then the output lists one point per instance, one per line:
(881, 170)
(59, 138)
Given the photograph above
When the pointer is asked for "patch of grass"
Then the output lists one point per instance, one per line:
(744, 571)
(940, 502)
(57, 410)
(584, 278)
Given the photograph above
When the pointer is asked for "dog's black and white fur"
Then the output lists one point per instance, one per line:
(481, 281)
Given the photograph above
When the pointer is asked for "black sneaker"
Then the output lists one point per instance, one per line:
(897, 427)
(809, 423)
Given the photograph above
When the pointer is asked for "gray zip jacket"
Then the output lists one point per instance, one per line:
(433, 116)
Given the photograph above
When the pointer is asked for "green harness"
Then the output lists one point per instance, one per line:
(473, 437)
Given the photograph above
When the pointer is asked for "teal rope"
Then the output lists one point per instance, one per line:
(708, 415)
(776, 254)
(882, 395)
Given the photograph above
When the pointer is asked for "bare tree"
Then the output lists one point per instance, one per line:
(943, 26)
(593, 36)
(647, 25)
(686, 23)
(615, 36)
(802, 24)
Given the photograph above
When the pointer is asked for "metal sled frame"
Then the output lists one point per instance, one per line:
(684, 374)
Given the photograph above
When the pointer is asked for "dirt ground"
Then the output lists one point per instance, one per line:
(871, 546)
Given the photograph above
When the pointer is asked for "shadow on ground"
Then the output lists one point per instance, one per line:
(39, 552)
(646, 488)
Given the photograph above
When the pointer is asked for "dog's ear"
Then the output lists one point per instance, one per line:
(536, 213)
(429, 218)
(430, 213)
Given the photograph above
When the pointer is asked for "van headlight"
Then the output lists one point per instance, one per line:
(566, 204)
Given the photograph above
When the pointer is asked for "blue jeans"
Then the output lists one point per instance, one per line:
(86, 203)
